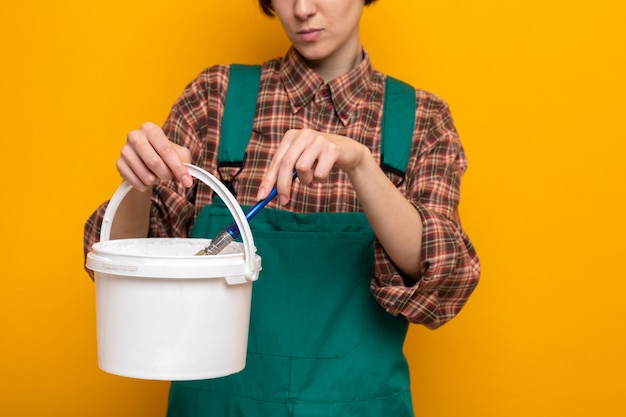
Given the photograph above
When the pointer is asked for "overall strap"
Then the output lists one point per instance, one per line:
(239, 110)
(397, 125)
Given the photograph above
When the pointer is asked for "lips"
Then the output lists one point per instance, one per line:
(309, 35)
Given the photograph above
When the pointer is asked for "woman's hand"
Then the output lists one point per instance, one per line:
(148, 156)
(393, 218)
(312, 154)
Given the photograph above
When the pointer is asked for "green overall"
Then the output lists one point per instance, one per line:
(319, 344)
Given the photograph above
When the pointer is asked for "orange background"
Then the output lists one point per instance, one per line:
(537, 89)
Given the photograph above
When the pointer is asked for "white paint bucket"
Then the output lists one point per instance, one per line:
(162, 312)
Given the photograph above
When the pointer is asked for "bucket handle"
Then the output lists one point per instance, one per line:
(222, 192)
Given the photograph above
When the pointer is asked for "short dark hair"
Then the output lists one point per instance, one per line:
(266, 6)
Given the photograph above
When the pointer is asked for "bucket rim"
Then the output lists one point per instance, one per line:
(106, 248)
(252, 267)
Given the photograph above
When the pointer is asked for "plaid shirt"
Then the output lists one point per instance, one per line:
(294, 96)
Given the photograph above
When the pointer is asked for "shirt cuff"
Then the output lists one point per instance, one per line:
(447, 276)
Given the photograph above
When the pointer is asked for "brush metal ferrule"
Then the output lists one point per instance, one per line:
(217, 244)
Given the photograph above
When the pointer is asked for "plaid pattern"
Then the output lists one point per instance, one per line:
(293, 96)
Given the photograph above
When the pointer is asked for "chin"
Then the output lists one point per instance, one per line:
(312, 53)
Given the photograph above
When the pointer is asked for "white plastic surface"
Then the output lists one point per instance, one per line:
(163, 313)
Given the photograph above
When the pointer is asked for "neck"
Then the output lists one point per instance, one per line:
(330, 68)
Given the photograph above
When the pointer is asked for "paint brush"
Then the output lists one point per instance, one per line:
(223, 238)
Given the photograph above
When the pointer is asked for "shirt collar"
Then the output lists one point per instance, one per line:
(302, 83)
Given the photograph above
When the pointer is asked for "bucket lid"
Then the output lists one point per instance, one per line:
(169, 258)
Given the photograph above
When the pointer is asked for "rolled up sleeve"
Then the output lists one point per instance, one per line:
(450, 272)
(449, 264)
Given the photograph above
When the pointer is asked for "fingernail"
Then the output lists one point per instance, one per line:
(187, 181)
(260, 195)
(282, 199)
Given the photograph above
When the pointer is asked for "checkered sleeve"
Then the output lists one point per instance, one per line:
(449, 264)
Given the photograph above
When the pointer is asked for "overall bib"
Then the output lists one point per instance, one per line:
(319, 344)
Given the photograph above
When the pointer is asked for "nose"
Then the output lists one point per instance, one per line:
(304, 9)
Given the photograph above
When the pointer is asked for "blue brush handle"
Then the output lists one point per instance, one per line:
(233, 230)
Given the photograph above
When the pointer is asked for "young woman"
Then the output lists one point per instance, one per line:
(351, 252)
